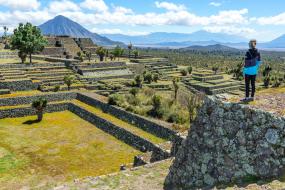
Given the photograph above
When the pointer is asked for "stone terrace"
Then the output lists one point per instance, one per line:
(154, 137)
(44, 76)
(211, 83)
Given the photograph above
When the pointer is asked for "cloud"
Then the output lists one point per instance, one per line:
(170, 6)
(96, 5)
(21, 4)
(118, 31)
(215, 4)
(62, 5)
(272, 20)
(176, 15)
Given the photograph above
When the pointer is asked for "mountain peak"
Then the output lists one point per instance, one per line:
(61, 25)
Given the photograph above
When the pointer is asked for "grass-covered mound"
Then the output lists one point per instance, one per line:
(62, 147)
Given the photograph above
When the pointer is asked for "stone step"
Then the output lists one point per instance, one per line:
(208, 78)
(224, 90)
(4, 91)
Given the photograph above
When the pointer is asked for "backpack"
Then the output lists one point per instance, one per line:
(251, 62)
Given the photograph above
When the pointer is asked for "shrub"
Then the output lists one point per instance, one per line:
(69, 80)
(215, 69)
(155, 77)
(56, 88)
(115, 99)
(156, 110)
(183, 72)
(39, 105)
(134, 91)
(176, 118)
(138, 80)
(190, 69)
(148, 78)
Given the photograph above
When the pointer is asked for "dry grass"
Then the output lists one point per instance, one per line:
(60, 148)
(18, 61)
(21, 93)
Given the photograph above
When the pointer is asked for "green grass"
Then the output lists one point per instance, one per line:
(60, 148)
(133, 129)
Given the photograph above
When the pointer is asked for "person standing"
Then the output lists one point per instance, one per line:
(250, 70)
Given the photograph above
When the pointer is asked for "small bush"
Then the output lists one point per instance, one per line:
(183, 72)
(134, 91)
(148, 78)
(176, 118)
(115, 99)
(190, 69)
(56, 88)
(155, 77)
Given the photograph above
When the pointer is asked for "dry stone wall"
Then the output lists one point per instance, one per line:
(228, 143)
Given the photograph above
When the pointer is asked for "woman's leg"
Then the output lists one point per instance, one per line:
(253, 78)
(247, 82)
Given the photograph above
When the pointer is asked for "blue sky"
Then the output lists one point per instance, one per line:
(261, 19)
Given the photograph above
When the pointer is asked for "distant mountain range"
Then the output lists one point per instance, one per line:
(216, 47)
(164, 37)
(61, 25)
(199, 38)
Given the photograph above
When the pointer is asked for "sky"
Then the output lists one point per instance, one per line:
(263, 20)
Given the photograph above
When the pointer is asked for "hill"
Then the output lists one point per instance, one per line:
(61, 25)
(216, 47)
(164, 38)
(277, 43)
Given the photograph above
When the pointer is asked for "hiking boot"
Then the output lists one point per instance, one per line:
(251, 99)
(245, 99)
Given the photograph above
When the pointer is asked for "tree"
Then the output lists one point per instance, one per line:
(192, 102)
(80, 56)
(136, 53)
(68, 80)
(266, 75)
(130, 47)
(176, 87)
(190, 69)
(5, 37)
(28, 40)
(101, 52)
(89, 55)
(118, 51)
(40, 105)
(155, 77)
(134, 91)
(23, 56)
(138, 80)
(156, 110)
(215, 69)
(148, 77)
(183, 72)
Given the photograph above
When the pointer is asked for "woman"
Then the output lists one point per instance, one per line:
(251, 66)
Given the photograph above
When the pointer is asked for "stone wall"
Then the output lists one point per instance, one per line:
(118, 132)
(27, 111)
(228, 143)
(29, 99)
(139, 121)
(19, 85)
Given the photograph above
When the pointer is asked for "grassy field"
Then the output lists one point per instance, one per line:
(62, 147)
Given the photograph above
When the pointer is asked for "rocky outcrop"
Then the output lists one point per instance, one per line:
(228, 143)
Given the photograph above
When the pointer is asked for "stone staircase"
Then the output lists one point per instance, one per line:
(211, 83)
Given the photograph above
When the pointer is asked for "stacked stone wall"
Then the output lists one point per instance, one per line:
(228, 143)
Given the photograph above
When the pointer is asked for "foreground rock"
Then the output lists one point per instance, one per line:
(228, 143)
